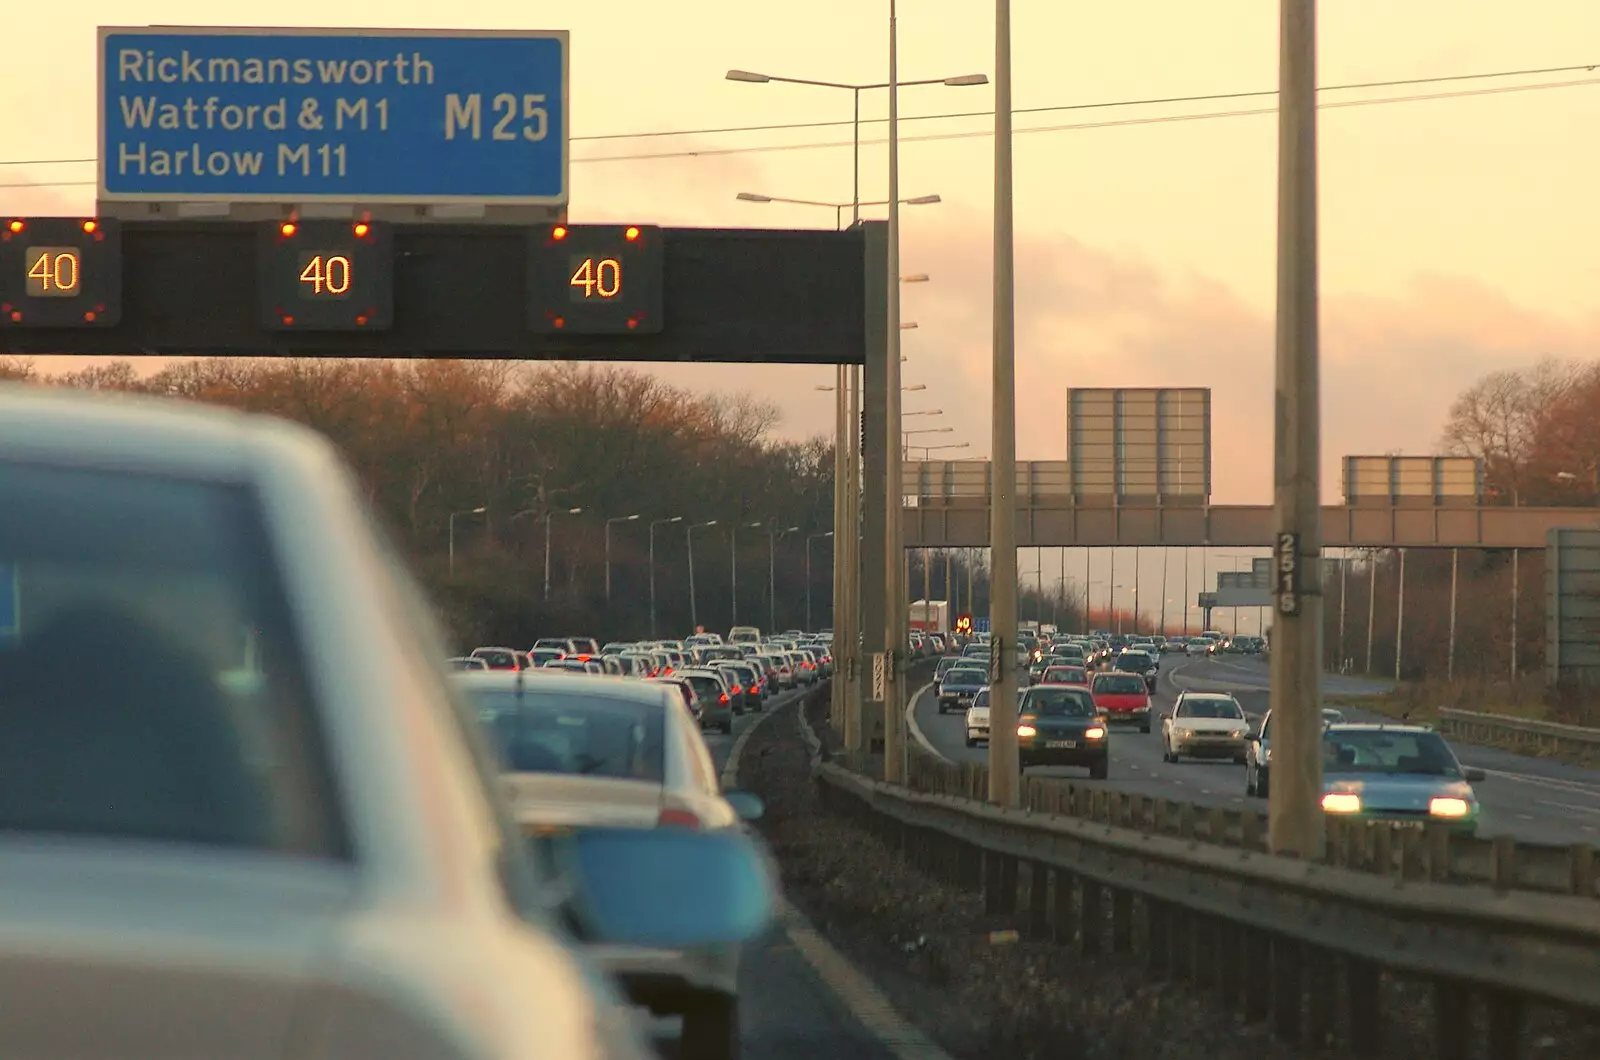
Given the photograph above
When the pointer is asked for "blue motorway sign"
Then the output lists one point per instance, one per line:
(364, 116)
(10, 602)
(980, 625)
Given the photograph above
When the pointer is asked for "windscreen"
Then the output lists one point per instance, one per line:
(1120, 685)
(569, 732)
(1210, 708)
(1058, 703)
(964, 677)
(1377, 751)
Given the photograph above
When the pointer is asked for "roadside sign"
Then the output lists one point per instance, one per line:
(980, 625)
(964, 624)
(10, 601)
(219, 114)
(880, 676)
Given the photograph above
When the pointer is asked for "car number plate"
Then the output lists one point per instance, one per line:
(1061, 743)
(1409, 825)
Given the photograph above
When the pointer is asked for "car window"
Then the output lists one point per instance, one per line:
(194, 723)
(498, 660)
(540, 731)
(1058, 703)
(1378, 751)
(1193, 707)
(965, 676)
(1119, 684)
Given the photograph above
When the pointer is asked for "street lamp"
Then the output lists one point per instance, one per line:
(617, 519)
(838, 208)
(733, 564)
(772, 576)
(547, 518)
(688, 533)
(810, 538)
(923, 412)
(961, 81)
(655, 523)
(452, 522)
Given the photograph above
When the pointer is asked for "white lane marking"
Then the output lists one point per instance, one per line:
(730, 768)
(858, 993)
(1567, 806)
(1570, 787)
(916, 729)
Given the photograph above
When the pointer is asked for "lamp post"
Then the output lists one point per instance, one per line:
(688, 533)
(928, 450)
(810, 538)
(655, 523)
(772, 575)
(548, 516)
(617, 519)
(838, 208)
(452, 522)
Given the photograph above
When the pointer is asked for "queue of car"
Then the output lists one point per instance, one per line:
(1398, 775)
(269, 813)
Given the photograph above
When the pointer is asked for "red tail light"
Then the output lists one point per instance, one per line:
(722, 698)
(737, 690)
(673, 818)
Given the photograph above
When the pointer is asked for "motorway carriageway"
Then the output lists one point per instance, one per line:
(1533, 799)
(786, 1010)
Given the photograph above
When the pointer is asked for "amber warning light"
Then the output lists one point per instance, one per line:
(16, 226)
(286, 229)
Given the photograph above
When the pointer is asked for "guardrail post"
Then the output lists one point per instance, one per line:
(999, 884)
(970, 867)
(1217, 826)
(1257, 978)
(1383, 849)
(1091, 920)
(1224, 940)
(1288, 995)
(1503, 863)
(1504, 1019)
(1362, 999)
(1452, 1021)
(1038, 899)
(1062, 927)
(1180, 945)
(1321, 986)
(1202, 935)
(1250, 830)
(1121, 921)
(1581, 874)
(1438, 838)
(1157, 930)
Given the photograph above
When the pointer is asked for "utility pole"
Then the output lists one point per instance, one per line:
(894, 584)
(841, 447)
(1004, 772)
(1295, 817)
(1450, 664)
(653, 524)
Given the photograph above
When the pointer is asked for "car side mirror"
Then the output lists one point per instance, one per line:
(668, 888)
(1474, 775)
(747, 804)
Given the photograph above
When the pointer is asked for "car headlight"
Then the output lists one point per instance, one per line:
(1448, 806)
(1027, 730)
(1094, 732)
(1341, 802)
(1237, 734)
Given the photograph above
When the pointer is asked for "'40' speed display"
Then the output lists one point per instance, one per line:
(596, 280)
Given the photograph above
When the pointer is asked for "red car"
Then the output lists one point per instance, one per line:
(1122, 698)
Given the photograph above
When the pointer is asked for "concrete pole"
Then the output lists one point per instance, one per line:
(1112, 622)
(1165, 552)
(694, 608)
(1344, 591)
(1005, 678)
(1400, 617)
(733, 566)
(854, 733)
(1372, 601)
(1515, 598)
(927, 581)
(1088, 601)
(547, 517)
(840, 532)
(1295, 819)
(894, 610)
(1450, 664)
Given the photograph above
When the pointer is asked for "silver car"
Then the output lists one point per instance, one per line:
(610, 753)
(260, 824)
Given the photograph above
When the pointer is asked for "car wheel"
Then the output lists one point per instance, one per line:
(1098, 770)
(711, 1029)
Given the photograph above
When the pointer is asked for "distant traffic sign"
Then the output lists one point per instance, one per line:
(358, 116)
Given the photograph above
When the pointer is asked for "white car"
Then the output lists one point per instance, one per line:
(1197, 646)
(260, 823)
(1205, 725)
(978, 718)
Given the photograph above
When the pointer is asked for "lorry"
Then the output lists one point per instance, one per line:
(930, 616)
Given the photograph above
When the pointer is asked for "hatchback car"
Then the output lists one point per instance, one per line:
(1405, 776)
(1059, 725)
(1205, 725)
(1123, 698)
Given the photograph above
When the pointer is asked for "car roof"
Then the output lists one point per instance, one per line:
(1379, 726)
(1208, 695)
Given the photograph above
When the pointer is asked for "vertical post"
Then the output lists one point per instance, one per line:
(452, 522)
(1344, 591)
(1111, 595)
(809, 627)
(894, 610)
(733, 566)
(1295, 824)
(694, 610)
(772, 582)
(1515, 599)
(1138, 571)
(949, 589)
(1062, 595)
(653, 632)
(876, 442)
(927, 582)
(1450, 664)
(547, 517)
(1165, 553)
(972, 562)
(1088, 590)
(1372, 601)
(1005, 678)
(608, 562)
(1400, 617)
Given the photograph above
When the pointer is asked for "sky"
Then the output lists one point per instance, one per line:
(1458, 235)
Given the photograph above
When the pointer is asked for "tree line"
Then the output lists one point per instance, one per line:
(484, 456)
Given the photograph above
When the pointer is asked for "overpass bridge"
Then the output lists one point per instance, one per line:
(947, 506)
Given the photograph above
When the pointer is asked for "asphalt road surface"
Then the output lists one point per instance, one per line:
(787, 1012)
(1534, 799)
